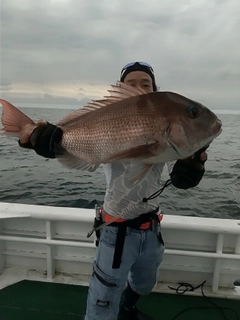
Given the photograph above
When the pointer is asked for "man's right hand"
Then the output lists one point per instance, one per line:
(43, 140)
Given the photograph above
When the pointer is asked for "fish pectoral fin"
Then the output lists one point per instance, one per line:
(70, 161)
(140, 152)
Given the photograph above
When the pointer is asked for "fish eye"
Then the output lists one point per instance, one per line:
(193, 112)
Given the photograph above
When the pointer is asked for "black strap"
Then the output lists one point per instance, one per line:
(121, 234)
(103, 281)
(143, 218)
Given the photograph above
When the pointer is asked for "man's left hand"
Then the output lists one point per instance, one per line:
(187, 173)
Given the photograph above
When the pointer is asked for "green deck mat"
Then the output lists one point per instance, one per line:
(33, 300)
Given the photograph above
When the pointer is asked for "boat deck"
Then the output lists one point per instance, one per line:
(27, 300)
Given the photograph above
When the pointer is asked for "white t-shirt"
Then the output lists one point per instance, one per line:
(123, 198)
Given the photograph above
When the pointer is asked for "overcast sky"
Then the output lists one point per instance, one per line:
(70, 51)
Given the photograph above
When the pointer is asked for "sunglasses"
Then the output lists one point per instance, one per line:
(145, 64)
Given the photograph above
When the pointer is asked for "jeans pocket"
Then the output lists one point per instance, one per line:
(109, 236)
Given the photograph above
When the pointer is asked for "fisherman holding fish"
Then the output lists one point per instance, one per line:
(139, 129)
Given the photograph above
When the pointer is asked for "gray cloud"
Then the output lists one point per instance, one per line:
(193, 47)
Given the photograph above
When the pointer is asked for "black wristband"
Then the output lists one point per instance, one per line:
(43, 140)
(187, 173)
(26, 145)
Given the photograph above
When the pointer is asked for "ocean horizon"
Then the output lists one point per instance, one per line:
(75, 106)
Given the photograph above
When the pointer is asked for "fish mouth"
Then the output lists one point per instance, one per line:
(219, 132)
(218, 127)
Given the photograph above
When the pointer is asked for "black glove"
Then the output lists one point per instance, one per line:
(187, 173)
(45, 137)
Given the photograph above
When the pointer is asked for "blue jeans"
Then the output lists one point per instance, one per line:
(141, 258)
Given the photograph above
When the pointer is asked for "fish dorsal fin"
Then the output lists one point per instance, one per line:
(123, 91)
(119, 92)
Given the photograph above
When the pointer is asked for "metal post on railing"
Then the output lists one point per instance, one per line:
(50, 250)
(237, 247)
(2, 257)
(237, 251)
(217, 267)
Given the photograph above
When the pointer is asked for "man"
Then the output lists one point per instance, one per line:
(131, 249)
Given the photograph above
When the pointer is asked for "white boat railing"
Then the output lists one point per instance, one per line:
(53, 241)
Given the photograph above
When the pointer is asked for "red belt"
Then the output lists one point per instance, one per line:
(108, 218)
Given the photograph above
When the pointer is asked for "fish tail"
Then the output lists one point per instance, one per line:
(13, 120)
